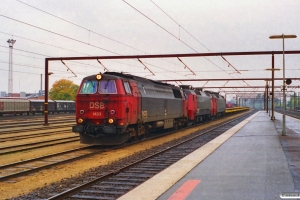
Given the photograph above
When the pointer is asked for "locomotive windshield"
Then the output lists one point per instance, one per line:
(89, 87)
(92, 86)
(107, 87)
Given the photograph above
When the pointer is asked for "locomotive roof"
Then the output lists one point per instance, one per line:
(188, 87)
(130, 76)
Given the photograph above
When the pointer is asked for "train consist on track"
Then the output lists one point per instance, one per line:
(20, 106)
(112, 108)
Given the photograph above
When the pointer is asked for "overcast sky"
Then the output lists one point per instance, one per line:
(63, 28)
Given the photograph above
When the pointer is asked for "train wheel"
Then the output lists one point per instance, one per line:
(142, 136)
(140, 131)
(133, 134)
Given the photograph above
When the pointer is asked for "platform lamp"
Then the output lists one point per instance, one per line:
(283, 77)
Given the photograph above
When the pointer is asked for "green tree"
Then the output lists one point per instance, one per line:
(63, 89)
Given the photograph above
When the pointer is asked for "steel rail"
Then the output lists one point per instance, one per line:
(25, 170)
(36, 122)
(41, 144)
(36, 135)
(32, 129)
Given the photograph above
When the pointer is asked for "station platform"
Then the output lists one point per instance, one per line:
(249, 161)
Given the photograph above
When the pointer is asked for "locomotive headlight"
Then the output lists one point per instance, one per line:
(110, 120)
(80, 120)
(98, 77)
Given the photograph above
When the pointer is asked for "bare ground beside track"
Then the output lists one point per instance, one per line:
(40, 179)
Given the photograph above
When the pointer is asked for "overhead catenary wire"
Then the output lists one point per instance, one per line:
(90, 31)
(173, 35)
(159, 25)
(155, 72)
(63, 20)
(34, 53)
(58, 34)
(44, 43)
(68, 21)
(180, 27)
(61, 35)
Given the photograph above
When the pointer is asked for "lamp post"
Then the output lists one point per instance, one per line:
(283, 72)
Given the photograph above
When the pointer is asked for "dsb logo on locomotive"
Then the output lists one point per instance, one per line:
(96, 105)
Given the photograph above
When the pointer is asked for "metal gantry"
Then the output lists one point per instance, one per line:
(47, 60)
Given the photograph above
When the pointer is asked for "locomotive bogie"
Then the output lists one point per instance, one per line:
(110, 139)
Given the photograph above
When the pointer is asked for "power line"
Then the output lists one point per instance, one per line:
(172, 34)
(58, 33)
(193, 37)
(80, 26)
(70, 38)
(16, 49)
(180, 25)
(20, 71)
(43, 43)
(87, 29)
(229, 64)
(160, 26)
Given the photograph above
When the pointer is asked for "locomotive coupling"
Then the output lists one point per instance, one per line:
(77, 129)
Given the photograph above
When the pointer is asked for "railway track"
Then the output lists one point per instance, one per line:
(35, 145)
(12, 117)
(113, 184)
(30, 123)
(25, 167)
(295, 114)
(35, 128)
(17, 169)
(14, 137)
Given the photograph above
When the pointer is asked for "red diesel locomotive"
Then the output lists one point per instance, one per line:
(112, 108)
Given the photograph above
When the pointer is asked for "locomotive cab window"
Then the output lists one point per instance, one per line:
(107, 87)
(89, 87)
(127, 88)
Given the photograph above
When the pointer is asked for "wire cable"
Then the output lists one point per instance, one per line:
(80, 26)
(52, 32)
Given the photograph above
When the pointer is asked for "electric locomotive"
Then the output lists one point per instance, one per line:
(112, 108)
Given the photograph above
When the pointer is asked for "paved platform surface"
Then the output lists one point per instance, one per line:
(250, 161)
